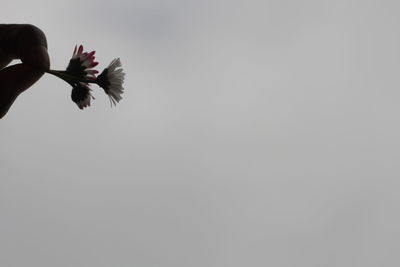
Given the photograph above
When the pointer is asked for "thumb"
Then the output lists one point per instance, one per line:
(31, 47)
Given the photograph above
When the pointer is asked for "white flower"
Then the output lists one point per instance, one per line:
(81, 95)
(111, 80)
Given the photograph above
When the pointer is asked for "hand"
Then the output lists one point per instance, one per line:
(27, 43)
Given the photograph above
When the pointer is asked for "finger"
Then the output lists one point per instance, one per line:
(25, 42)
(15, 80)
(4, 60)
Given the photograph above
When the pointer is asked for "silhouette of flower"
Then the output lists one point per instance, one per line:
(80, 73)
(111, 80)
(81, 95)
(82, 63)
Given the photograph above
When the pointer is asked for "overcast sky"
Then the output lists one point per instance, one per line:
(251, 133)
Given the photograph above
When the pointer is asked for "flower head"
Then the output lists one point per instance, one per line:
(82, 63)
(111, 80)
(81, 95)
(80, 73)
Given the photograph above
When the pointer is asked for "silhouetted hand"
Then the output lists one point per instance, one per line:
(27, 43)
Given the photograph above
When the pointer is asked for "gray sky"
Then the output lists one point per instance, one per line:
(251, 133)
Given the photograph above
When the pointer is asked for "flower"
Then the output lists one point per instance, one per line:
(82, 63)
(111, 80)
(81, 94)
(80, 74)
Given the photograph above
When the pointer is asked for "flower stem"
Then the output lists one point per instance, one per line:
(67, 77)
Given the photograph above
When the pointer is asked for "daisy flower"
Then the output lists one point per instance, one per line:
(80, 73)
(80, 67)
(82, 63)
(111, 80)
(81, 95)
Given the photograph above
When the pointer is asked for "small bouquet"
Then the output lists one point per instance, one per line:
(80, 74)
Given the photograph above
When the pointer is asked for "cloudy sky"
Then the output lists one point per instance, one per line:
(251, 133)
